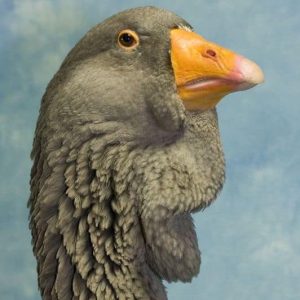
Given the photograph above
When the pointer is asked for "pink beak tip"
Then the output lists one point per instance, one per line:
(251, 73)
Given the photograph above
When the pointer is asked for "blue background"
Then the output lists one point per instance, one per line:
(250, 236)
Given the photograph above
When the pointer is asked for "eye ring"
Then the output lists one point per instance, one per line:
(128, 39)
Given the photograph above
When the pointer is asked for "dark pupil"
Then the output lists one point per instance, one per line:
(127, 39)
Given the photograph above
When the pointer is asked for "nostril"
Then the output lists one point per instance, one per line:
(211, 53)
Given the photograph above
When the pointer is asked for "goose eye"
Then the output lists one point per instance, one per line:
(128, 39)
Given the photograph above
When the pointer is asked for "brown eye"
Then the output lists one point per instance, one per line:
(128, 39)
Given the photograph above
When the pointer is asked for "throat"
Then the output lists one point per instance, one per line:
(203, 141)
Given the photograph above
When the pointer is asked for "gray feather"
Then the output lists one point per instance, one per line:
(119, 165)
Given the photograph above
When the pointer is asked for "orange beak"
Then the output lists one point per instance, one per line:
(205, 72)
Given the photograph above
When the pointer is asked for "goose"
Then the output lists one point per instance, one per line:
(126, 148)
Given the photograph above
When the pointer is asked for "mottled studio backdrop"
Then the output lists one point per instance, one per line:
(250, 236)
